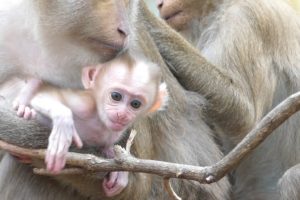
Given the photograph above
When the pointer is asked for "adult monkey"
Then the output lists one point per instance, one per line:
(253, 50)
(40, 38)
(177, 135)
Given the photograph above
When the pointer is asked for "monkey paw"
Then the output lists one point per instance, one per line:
(24, 111)
(62, 135)
(114, 183)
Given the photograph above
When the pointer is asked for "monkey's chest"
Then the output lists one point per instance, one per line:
(91, 131)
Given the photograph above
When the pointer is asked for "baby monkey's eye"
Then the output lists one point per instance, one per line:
(116, 96)
(135, 104)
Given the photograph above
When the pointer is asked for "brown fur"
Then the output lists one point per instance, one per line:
(249, 63)
(178, 134)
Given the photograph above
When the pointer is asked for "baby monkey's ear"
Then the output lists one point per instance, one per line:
(162, 98)
(88, 76)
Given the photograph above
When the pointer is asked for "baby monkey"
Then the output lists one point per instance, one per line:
(116, 94)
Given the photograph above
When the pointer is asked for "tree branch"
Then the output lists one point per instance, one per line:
(126, 162)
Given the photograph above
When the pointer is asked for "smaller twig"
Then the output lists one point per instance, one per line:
(166, 181)
(122, 154)
(130, 140)
(169, 188)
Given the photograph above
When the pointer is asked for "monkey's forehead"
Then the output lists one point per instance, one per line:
(140, 73)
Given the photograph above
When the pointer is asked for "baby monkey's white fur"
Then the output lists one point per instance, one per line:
(117, 93)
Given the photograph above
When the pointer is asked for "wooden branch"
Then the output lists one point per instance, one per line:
(126, 162)
(119, 156)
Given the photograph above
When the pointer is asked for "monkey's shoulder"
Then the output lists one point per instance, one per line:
(82, 104)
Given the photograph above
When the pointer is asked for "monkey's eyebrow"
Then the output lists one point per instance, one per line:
(137, 95)
(141, 97)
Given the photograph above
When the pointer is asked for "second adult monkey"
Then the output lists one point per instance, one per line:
(48, 41)
(249, 63)
(117, 93)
